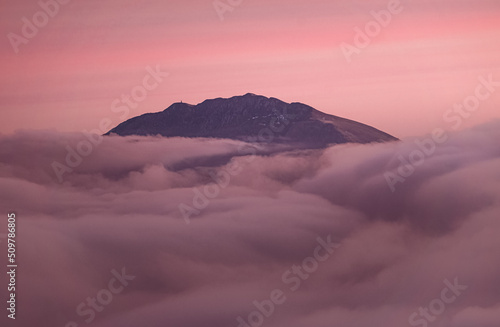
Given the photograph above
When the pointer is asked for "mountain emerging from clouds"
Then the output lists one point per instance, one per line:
(252, 118)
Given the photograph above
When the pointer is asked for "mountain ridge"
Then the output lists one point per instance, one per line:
(252, 117)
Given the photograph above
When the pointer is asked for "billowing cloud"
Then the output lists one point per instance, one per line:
(311, 237)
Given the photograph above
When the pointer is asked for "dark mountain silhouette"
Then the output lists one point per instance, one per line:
(252, 118)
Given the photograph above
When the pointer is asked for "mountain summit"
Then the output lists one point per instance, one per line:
(252, 118)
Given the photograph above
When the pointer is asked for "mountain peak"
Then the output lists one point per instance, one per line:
(252, 117)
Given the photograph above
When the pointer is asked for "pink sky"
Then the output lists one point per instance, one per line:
(91, 52)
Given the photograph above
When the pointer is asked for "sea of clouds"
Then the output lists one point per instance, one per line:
(394, 256)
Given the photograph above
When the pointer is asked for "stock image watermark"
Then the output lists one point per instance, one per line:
(427, 315)
(426, 147)
(293, 279)
(224, 6)
(11, 265)
(364, 36)
(31, 26)
(470, 104)
(89, 309)
(122, 105)
(221, 179)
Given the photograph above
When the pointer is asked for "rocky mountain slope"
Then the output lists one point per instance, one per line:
(252, 118)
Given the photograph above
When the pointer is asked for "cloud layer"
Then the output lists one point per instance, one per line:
(119, 209)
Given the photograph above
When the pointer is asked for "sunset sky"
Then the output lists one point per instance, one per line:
(135, 230)
(91, 52)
